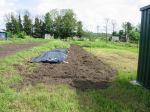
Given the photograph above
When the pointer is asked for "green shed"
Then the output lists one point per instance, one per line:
(144, 51)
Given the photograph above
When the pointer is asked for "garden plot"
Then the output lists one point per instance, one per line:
(83, 71)
(9, 49)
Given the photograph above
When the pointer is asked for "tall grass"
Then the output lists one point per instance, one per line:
(103, 44)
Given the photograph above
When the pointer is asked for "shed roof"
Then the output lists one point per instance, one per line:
(145, 8)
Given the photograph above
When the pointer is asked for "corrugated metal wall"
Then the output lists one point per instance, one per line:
(2, 35)
(144, 50)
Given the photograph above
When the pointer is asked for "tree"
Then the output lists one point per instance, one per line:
(121, 35)
(79, 29)
(42, 27)
(48, 24)
(20, 23)
(58, 23)
(127, 27)
(8, 22)
(27, 23)
(9, 27)
(114, 33)
(37, 28)
(58, 26)
(69, 23)
(113, 22)
(134, 36)
(15, 25)
(138, 28)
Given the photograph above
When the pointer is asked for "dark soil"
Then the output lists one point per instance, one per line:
(83, 71)
(6, 50)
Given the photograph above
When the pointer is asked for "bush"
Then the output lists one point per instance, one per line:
(21, 35)
(134, 36)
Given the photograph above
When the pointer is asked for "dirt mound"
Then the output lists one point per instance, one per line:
(83, 71)
(6, 50)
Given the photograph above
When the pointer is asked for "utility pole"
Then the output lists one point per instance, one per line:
(106, 26)
(113, 22)
(98, 27)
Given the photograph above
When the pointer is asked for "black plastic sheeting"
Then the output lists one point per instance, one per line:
(54, 56)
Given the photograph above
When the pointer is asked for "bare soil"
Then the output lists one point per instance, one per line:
(9, 49)
(83, 71)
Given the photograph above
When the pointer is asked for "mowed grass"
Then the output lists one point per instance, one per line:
(121, 96)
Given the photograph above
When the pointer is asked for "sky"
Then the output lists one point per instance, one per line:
(91, 12)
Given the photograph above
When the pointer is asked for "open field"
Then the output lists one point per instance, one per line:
(120, 96)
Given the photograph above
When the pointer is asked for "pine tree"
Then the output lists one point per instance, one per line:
(48, 24)
(58, 26)
(27, 24)
(15, 25)
(79, 29)
(69, 24)
(20, 24)
(37, 27)
(9, 27)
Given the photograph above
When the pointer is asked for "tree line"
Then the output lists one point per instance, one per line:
(128, 32)
(57, 23)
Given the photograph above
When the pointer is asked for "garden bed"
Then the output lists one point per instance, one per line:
(83, 71)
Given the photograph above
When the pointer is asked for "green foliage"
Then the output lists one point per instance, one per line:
(57, 23)
(58, 26)
(127, 27)
(48, 23)
(69, 24)
(9, 27)
(114, 33)
(21, 35)
(134, 36)
(20, 23)
(38, 28)
(129, 31)
(15, 25)
(79, 29)
(27, 23)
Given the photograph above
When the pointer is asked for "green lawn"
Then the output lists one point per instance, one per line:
(121, 96)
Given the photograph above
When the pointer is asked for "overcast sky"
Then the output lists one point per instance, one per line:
(90, 12)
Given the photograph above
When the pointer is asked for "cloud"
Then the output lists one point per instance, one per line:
(93, 12)
(6, 6)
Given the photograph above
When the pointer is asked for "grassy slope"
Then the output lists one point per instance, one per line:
(121, 96)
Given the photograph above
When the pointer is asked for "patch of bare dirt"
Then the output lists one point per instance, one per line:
(9, 49)
(83, 71)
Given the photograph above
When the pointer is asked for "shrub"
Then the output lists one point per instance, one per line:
(21, 35)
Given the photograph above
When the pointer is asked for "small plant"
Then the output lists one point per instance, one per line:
(21, 35)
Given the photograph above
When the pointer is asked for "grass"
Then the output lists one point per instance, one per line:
(121, 96)
(21, 41)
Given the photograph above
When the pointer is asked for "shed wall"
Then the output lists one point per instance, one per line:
(144, 51)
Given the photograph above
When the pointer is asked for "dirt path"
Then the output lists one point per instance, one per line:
(84, 71)
(6, 50)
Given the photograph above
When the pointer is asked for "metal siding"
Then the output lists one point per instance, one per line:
(2, 35)
(144, 50)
